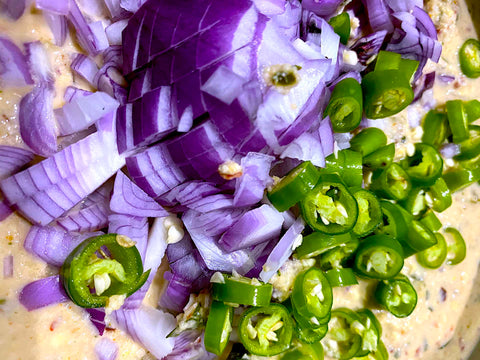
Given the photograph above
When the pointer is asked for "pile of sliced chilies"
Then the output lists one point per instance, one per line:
(203, 107)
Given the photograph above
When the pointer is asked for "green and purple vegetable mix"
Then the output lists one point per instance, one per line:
(220, 123)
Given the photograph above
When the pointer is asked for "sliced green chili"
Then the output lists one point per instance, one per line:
(370, 332)
(242, 290)
(318, 243)
(425, 166)
(380, 158)
(380, 354)
(388, 60)
(393, 182)
(347, 164)
(302, 351)
(266, 331)
(431, 221)
(409, 68)
(438, 196)
(294, 187)
(369, 212)
(469, 56)
(312, 294)
(435, 128)
(345, 106)
(110, 260)
(470, 148)
(393, 222)
(397, 295)
(330, 207)
(341, 26)
(419, 237)
(434, 257)
(342, 340)
(458, 121)
(338, 256)
(472, 108)
(218, 327)
(341, 277)
(379, 257)
(368, 140)
(458, 179)
(386, 93)
(415, 203)
(456, 247)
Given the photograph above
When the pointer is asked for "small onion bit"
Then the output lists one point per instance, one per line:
(8, 266)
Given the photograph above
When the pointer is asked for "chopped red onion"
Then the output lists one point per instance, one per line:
(97, 318)
(134, 227)
(425, 23)
(154, 171)
(99, 35)
(446, 78)
(189, 345)
(250, 187)
(83, 111)
(205, 229)
(424, 83)
(254, 227)
(8, 266)
(85, 67)
(59, 7)
(176, 294)
(58, 25)
(14, 71)
(14, 9)
(270, 7)
(71, 92)
(306, 147)
(323, 8)
(149, 327)
(89, 215)
(369, 46)
(53, 244)
(12, 159)
(106, 349)
(108, 79)
(129, 199)
(43, 292)
(448, 151)
(282, 250)
(114, 32)
(85, 35)
(5, 210)
(39, 63)
(224, 84)
(37, 122)
(378, 15)
(45, 192)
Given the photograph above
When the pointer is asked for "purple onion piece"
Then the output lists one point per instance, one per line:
(14, 71)
(254, 227)
(58, 25)
(97, 318)
(129, 199)
(36, 120)
(14, 9)
(106, 349)
(149, 327)
(43, 292)
(448, 151)
(8, 266)
(282, 250)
